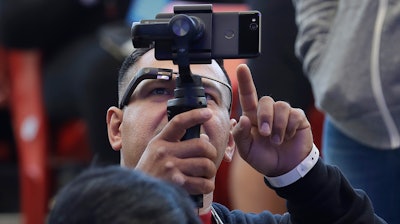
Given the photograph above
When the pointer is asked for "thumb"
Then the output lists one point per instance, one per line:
(242, 135)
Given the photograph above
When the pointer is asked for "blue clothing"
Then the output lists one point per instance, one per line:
(375, 171)
(140, 9)
(322, 196)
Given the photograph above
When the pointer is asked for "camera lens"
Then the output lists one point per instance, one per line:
(253, 26)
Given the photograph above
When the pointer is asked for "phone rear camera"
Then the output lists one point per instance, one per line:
(253, 26)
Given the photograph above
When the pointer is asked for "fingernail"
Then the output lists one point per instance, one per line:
(204, 136)
(239, 124)
(265, 128)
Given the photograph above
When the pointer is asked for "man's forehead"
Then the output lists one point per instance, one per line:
(148, 60)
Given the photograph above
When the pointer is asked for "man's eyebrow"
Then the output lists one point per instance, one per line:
(216, 80)
(212, 83)
(207, 83)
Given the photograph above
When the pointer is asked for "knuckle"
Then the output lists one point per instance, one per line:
(266, 99)
(282, 105)
(161, 152)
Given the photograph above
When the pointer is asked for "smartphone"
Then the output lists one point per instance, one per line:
(236, 34)
(224, 35)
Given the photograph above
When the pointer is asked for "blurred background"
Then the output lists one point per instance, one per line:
(59, 64)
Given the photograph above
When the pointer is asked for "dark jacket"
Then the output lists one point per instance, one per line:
(323, 196)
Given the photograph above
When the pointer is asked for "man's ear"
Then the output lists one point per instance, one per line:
(114, 121)
(231, 146)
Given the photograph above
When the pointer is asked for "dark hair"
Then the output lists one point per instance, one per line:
(136, 55)
(120, 195)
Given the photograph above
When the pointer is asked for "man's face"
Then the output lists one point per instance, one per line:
(146, 114)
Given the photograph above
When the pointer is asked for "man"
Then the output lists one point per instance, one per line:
(272, 137)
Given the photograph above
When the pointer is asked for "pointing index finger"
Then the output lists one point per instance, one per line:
(247, 93)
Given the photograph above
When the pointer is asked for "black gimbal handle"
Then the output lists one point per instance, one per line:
(173, 36)
(189, 94)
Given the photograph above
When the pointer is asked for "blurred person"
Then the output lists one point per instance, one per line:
(350, 54)
(114, 194)
(274, 138)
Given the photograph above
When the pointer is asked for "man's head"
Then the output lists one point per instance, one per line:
(135, 124)
(118, 195)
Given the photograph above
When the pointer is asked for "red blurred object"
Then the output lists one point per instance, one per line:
(30, 132)
(316, 119)
(32, 135)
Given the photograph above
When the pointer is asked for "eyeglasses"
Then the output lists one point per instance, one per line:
(163, 80)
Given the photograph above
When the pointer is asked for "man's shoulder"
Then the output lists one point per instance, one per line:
(239, 217)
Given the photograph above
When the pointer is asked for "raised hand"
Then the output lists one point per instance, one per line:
(271, 136)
